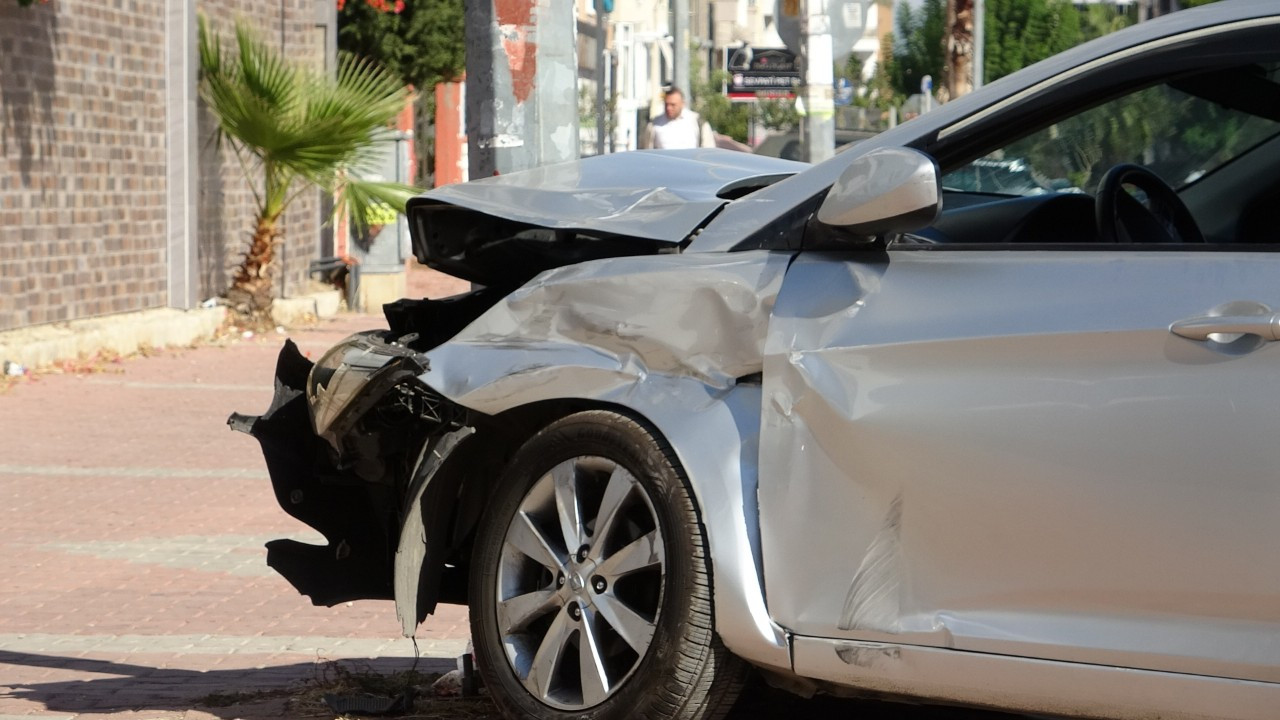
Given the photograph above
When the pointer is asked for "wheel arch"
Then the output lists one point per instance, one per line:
(715, 446)
(449, 498)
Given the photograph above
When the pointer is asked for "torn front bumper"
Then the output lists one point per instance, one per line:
(342, 439)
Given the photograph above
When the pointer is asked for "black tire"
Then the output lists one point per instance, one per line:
(683, 671)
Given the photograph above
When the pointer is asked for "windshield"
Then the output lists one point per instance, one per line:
(1181, 130)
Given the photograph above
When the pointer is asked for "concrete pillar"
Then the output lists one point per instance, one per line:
(680, 46)
(182, 160)
(522, 85)
(451, 143)
(819, 93)
(326, 21)
(979, 43)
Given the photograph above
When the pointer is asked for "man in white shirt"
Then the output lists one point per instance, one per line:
(678, 127)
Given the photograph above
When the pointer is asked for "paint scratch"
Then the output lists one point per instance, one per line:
(874, 599)
(867, 655)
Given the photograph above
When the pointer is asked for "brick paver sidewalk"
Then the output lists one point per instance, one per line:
(132, 523)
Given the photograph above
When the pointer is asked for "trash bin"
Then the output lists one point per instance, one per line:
(382, 248)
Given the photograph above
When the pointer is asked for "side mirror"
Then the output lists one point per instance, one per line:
(887, 190)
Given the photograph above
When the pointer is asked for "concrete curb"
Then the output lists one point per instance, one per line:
(304, 309)
(42, 345)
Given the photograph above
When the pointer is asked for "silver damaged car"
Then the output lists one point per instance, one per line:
(903, 424)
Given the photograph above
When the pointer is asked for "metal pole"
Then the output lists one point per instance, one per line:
(819, 95)
(602, 36)
(612, 129)
(522, 85)
(680, 46)
(979, 42)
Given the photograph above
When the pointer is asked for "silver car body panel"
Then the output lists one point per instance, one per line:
(412, 548)
(1071, 501)
(652, 194)
(1029, 685)
(637, 333)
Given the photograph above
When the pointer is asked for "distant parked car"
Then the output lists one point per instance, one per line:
(1007, 177)
(1011, 447)
(726, 142)
(788, 146)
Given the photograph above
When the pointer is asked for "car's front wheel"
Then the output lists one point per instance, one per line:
(590, 587)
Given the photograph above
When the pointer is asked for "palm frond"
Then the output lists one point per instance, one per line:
(364, 93)
(245, 117)
(303, 124)
(265, 74)
(360, 199)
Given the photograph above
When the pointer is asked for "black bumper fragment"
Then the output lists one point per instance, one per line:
(357, 561)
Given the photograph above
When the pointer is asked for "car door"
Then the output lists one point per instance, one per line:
(1010, 452)
(1056, 450)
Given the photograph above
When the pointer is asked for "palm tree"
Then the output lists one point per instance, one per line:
(292, 128)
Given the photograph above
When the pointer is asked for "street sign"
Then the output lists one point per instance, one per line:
(844, 92)
(773, 72)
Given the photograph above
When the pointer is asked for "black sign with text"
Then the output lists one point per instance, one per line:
(773, 72)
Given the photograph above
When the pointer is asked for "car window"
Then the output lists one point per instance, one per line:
(1182, 130)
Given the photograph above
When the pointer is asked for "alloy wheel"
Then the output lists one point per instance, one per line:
(580, 582)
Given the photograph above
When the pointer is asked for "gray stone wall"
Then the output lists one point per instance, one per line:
(83, 159)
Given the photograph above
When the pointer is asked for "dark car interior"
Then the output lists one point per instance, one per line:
(1190, 162)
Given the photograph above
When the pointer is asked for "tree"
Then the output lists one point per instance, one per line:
(919, 48)
(880, 93)
(1021, 32)
(708, 100)
(1101, 19)
(291, 126)
(778, 115)
(424, 43)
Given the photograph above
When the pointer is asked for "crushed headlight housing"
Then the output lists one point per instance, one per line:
(353, 376)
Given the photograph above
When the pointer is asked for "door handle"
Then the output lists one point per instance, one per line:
(1201, 327)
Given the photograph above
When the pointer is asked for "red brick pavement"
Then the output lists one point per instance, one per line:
(131, 529)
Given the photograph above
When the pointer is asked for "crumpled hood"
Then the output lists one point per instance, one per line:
(629, 203)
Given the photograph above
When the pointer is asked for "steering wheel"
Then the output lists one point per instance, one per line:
(1121, 218)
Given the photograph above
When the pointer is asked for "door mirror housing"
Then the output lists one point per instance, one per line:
(886, 190)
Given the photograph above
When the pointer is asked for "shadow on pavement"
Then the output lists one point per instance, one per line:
(759, 700)
(132, 687)
(265, 692)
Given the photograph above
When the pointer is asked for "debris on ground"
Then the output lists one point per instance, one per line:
(449, 684)
(228, 699)
(366, 704)
(409, 694)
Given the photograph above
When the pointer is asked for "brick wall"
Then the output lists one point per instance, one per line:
(83, 163)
